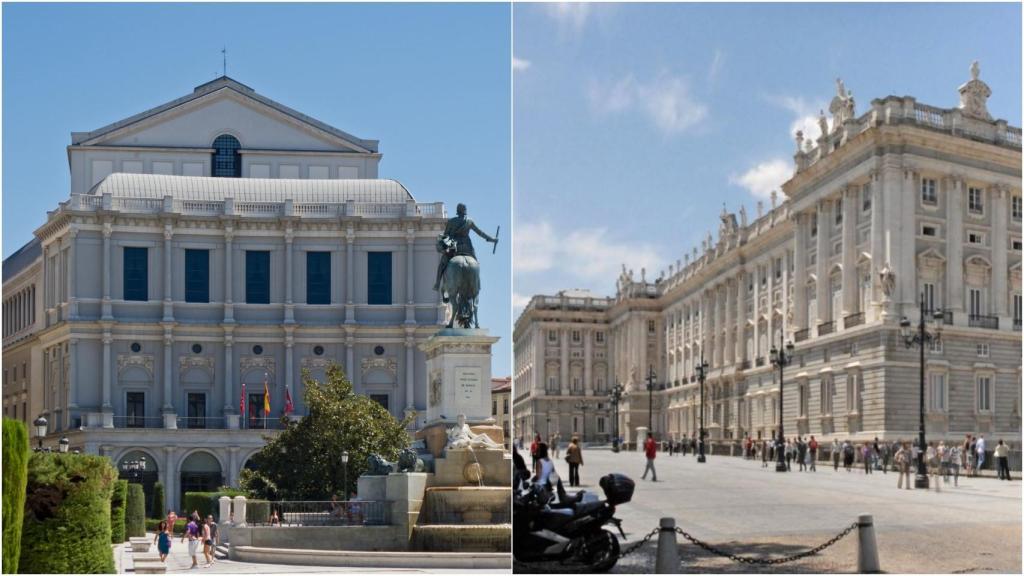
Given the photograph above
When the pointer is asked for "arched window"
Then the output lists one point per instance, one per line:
(226, 162)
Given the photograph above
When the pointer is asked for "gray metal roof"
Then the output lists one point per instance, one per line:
(213, 86)
(22, 259)
(251, 189)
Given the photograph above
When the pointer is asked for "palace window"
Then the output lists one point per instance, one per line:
(318, 277)
(975, 238)
(929, 231)
(382, 399)
(135, 409)
(378, 278)
(935, 346)
(599, 337)
(865, 198)
(1015, 245)
(982, 349)
(854, 392)
(651, 327)
(1016, 309)
(257, 277)
(928, 193)
(928, 292)
(974, 302)
(226, 160)
(839, 211)
(937, 392)
(1015, 207)
(814, 225)
(196, 410)
(136, 273)
(827, 391)
(552, 336)
(575, 335)
(803, 400)
(197, 275)
(975, 202)
(983, 393)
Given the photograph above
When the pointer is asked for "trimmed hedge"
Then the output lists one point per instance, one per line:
(135, 512)
(67, 515)
(158, 501)
(118, 502)
(15, 476)
(207, 503)
(153, 523)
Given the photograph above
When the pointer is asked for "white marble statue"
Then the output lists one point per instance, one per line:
(461, 437)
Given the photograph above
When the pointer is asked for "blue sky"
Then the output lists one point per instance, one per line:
(634, 123)
(430, 82)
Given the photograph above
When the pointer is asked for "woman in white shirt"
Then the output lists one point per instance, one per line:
(544, 466)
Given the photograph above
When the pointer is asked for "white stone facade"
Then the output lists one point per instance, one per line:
(930, 195)
(162, 376)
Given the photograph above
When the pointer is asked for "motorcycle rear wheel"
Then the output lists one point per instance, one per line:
(599, 551)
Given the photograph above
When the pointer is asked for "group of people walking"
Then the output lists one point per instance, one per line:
(197, 531)
(541, 454)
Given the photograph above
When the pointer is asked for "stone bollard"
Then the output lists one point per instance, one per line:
(867, 549)
(225, 510)
(239, 511)
(667, 561)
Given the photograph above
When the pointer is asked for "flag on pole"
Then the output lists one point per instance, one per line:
(266, 397)
(241, 403)
(288, 406)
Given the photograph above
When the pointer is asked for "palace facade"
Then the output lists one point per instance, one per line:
(210, 249)
(907, 206)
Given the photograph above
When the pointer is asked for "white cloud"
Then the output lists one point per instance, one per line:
(570, 16)
(666, 101)
(519, 302)
(764, 177)
(588, 254)
(520, 65)
(805, 115)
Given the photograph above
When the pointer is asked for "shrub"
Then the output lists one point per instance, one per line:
(67, 515)
(15, 476)
(117, 507)
(135, 512)
(207, 503)
(158, 501)
(153, 523)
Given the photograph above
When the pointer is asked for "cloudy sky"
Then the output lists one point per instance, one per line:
(635, 123)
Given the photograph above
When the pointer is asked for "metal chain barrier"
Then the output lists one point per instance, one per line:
(767, 561)
(637, 546)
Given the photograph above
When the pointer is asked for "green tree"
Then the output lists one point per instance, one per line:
(15, 477)
(304, 461)
(158, 510)
(117, 506)
(135, 511)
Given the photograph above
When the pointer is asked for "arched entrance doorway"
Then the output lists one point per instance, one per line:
(138, 467)
(200, 472)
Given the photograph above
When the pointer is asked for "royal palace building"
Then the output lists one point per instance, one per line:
(211, 249)
(902, 208)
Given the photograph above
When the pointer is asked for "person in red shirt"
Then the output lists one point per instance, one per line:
(533, 449)
(812, 446)
(650, 450)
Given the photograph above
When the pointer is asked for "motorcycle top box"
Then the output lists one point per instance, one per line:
(618, 488)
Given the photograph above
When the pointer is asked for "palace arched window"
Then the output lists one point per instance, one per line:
(226, 161)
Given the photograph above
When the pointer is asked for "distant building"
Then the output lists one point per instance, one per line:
(211, 247)
(501, 405)
(905, 207)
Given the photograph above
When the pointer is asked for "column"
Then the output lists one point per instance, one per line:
(231, 395)
(410, 270)
(539, 368)
(410, 371)
(877, 239)
(757, 311)
(289, 272)
(168, 306)
(107, 341)
(741, 315)
(289, 366)
(851, 301)
(106, 308)
(786, 259)
(229, 279)
(350, 311)
(954, 297)
(588, 384)
(350, 362)
(170, 478)
(564, 361)
(999, 206)
(800, 272)
(770, 325)
(233, 471)
(73, 372)
(824, 252)
(170, 415)
(72, 300)
(729, 355)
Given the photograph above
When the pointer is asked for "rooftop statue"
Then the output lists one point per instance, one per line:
(842, 106)
(974, 95)
(458, 272)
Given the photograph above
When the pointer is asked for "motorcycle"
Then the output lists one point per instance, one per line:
(569, 531)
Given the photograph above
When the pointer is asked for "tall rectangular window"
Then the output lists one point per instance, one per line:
(257, 276)
(196, 410)
(136, 273)
(975, 302)
(984, 385)
(929, 296)
(318, 277)
(937, 392)
(135, 409)
(378, 278)
(1016, 308)
(381, 399)
(827, 388)
(928, 194)
(803, 400)
(197, 276)
(975, 202)
(1015, 207)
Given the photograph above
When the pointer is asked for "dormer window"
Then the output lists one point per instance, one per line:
(226, 160)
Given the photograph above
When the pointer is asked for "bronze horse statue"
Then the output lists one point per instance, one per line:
(460, 285)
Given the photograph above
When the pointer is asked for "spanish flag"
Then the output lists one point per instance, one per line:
(266, 398)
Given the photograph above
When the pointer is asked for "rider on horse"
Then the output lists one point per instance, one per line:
(456, 241)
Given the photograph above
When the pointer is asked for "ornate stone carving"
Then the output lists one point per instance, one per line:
(388, 364)
(842, 106)
(887, 280)
(435, 388)
(266, 363)
(144, 361)
(192, 361)
(315, 362)
(974, 96)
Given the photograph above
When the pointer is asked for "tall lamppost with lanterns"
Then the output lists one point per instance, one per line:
(921, 336)
(781, 357)
(650, 403)
(344, 474)
(701, 373)
(582, 406)
(616, 397)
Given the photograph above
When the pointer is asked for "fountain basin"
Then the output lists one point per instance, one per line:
(472, 505)
(462, 538)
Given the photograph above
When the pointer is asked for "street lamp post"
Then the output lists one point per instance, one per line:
(344, 474)
(40, 425)
(583, 407)
(920, 338)
(650, 401)
(702, 372)
(616, 396)
(781, 357)
(63, 444)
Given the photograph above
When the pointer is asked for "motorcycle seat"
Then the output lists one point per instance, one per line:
(585, 508)
(556, 517)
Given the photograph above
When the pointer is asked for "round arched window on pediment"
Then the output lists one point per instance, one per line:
(226, 161)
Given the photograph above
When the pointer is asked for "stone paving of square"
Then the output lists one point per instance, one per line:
(738, 505)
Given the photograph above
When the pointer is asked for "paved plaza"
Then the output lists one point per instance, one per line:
(749, 510)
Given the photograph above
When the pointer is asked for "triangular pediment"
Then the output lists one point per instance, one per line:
(225, 106)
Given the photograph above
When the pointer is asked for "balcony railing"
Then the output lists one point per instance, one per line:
(138, 422)
(743, 365)
(826, 328)
(801, 335)
(261, 423)
(326, 513)
(201, 422)
(981, 321)
(759, 361)
(853, 320)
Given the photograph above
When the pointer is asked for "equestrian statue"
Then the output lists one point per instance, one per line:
(458, 272)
